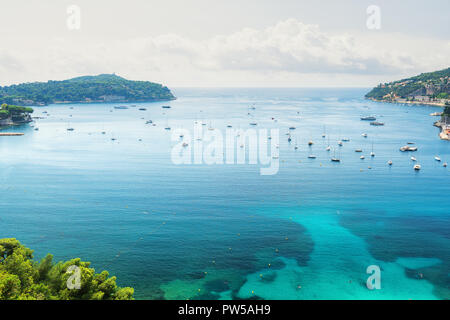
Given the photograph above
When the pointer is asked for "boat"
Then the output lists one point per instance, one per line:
(311, 156)
(417, 167)
(345, 139)
(36, 129)
(413, 159)
(358, 150)
(166, 107)
(445, 164)
(376, 123)
(364, 135)
(368, 118)
(148, 122)
(334, 159)
(437, 158)
(291, 128)
(390, 162)
(408, 148)
(185, 144)
(362, 157)
(142, 109)
(328, 148)
(289, 138)
(167, 128)
(310, 143)
(229, 126)
(410, 143)
(70, 129)
(253, 123)
(121, 107)
(340, 143)
(372, 154)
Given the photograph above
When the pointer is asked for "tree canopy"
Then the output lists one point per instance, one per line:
(22, 278)
(82, 89)
(7, 111)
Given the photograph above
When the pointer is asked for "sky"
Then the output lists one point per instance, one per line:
(216, 43)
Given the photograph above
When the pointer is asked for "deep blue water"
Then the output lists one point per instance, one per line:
(225, 231)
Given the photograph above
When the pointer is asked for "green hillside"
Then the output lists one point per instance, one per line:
(431, 86)
(101, 88)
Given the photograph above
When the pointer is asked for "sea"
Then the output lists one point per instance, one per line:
(110, 192)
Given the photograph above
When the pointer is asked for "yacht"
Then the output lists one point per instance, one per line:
(445, 164)
(413, 159)
(310, 143)
(369, 118)
(417, 167)
(311, 156)
(328, 148)
(408, 148)
(362, 157)
(437, 158)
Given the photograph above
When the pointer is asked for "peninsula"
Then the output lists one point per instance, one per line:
(14, 115)
(432, 88)
(86, 89)
(444, 124)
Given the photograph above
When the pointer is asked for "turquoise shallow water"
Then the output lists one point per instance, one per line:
(224, 231)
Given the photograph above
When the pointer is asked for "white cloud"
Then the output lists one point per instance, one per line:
(288, 53)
